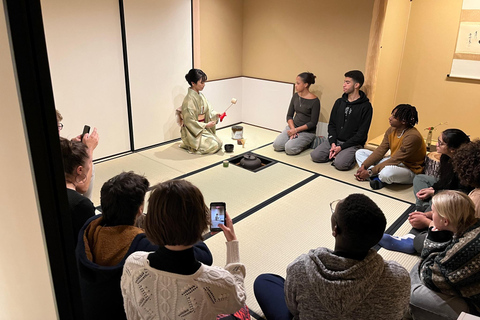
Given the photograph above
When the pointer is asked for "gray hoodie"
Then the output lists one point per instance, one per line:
(322, 285)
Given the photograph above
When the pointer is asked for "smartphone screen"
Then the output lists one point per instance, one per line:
(217, 212)
(86, 129)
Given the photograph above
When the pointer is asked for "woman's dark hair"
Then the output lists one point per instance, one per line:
(454, 138)
(466, 163)
(308, 78)
(447, 178)
(194, 75)
(406, 113)
(74, 154)
(121, 197)
(177, 214)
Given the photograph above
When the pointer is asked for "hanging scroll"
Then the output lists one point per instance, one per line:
(466, 60)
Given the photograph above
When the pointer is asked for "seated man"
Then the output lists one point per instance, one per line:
(348, 126)
(350, 282)
(106, 240)
(407, 152)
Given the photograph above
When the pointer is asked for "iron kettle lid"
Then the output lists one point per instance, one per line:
(250, 157)
(250, 161)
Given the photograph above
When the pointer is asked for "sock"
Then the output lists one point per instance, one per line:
(376, 183)
(396, 243)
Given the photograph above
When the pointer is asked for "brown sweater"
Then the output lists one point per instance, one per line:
(107, 246)
(411, 151)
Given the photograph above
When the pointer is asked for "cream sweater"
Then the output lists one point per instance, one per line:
(149, 293)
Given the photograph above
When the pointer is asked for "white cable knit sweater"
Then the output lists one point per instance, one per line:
(149, 293)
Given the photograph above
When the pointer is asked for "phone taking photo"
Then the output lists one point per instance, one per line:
(86, 129)
(217, 213)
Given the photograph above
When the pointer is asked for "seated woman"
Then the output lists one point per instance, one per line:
(424, 187)
(171, 283)
(446, 281)
(302, 118)
(198, 130)
(91, 141)
(77, 166)
(466, 164)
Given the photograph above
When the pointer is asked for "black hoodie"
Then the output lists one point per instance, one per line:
(350, 121)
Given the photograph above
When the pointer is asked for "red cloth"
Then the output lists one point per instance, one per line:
(242, 314)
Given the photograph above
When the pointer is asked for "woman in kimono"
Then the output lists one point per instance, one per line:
(199, 119)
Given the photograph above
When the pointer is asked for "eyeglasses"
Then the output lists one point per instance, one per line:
(440, 143)
(60, 126)
(333, 205)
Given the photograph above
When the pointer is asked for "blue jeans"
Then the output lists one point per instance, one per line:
(268, 289)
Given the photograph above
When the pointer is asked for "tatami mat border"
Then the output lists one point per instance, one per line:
(255, 315)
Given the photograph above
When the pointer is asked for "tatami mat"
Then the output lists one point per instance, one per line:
(153, 170)
(288, 202)
(275, 235)
(406, 260)
(175, 157)
(170, 161)
(303, 160)
(242, 189)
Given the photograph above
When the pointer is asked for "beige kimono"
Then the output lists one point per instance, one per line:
(195, 136)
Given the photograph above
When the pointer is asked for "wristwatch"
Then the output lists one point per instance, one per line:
(370, 173)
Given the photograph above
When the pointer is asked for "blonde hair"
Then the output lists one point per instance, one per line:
(59, 115)
(457, 208)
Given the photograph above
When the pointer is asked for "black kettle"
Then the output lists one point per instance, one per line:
(250, 162)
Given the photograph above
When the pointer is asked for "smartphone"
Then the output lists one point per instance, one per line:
(86, 129)
(218, 213)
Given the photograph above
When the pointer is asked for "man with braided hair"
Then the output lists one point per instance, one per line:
(407, 152)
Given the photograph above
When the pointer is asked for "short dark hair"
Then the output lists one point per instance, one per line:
(194, 75)
(357, 76)
(466, 164)
(361, 221)
(74, 154)
(121, 196)
(177, 214)
(455, 138)
(308, 78)
(406, 113)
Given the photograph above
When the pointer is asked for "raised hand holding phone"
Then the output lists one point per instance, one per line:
(227, 228)
(86, 129)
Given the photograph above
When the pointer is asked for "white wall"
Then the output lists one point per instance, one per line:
(259, 102)
(25, 282)
(266, 103)
(85, 52)
(86, 64)
(219, 94)
(159, 45)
